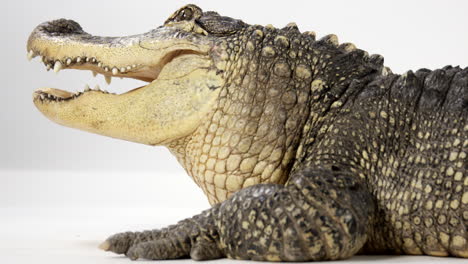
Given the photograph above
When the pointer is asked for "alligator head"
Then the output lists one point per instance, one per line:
(179, 60)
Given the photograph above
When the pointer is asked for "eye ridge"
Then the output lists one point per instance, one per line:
(219, 25)
(209, 21)
(186, 13)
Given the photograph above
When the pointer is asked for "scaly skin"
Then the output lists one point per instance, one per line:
(353, 159)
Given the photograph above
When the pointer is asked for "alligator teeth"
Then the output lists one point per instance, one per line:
(57, 66)
(106, 69)
(78, 59)
(87, 89)
(42, 96)
(108, 79)
(48, 67)
(88, 59)
(115, 71)
(99, 65)
(129, 68)
(122, 69)
(97, 88)
(94, 74)
(69, 61)
(30, 55)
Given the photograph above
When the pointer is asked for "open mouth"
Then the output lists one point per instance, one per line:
(146, 73)
(63, 44)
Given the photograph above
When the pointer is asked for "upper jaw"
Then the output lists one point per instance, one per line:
(62, 44)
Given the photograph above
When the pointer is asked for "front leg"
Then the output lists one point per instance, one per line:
(319, 215)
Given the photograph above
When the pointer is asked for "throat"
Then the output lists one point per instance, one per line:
(220, 171)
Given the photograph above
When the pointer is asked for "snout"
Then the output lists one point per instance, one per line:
(59, 27)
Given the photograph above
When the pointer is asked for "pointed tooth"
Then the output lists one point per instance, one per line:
(88, 59)
(134, 66)
(69, 61)
(115, 71)
(94, 74)
(122, 70)
(129, 68)
(57, 66)
(42, 96)
(108, 79)
(97, 88)
(87, 88)
(106, 69)
(99, 65)
(93, 60)
(30, 55)
(78, 59)
(48, 67)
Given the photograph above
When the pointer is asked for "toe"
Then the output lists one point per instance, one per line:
(134, 253)
(105, 245)
(118, 243)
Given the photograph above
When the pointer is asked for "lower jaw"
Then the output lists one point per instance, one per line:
(58, 95)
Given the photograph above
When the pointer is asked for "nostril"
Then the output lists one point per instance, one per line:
(61, 27)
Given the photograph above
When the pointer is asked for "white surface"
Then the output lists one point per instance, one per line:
(98, 189)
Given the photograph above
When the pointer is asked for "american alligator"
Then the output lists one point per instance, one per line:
(307, 149)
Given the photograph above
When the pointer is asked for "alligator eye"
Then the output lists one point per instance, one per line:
(186, 13)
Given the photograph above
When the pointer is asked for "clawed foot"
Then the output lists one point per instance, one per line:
(136, 245)
(160, 245)
(120, 243)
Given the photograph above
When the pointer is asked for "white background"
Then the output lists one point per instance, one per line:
(63, 190)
